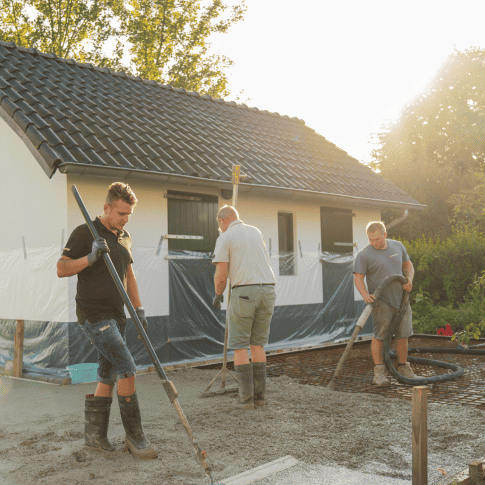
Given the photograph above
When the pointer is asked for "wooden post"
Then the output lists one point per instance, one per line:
(475, 473)
(18, 349)
(236, 175)
(420, 435)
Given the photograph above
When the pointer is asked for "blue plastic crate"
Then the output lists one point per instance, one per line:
(83, 373)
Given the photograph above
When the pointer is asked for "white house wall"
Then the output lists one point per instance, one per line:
(305, 287)
(32, 234)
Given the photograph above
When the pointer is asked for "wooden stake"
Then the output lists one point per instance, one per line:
(18, 349)
(420, 435)
(475, 473)
(236, 173)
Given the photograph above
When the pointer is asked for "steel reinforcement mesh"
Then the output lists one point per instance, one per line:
(316, 367)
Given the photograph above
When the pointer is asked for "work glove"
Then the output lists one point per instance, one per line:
(99, 247)
(218, 299)
(141, 316)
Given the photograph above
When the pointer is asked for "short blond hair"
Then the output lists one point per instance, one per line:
(120, 191)
(374, 226)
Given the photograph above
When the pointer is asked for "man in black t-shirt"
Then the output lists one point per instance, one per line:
(101, 315)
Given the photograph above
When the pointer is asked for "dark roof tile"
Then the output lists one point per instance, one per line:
(22, 120)
(35, 136)
(50, 155)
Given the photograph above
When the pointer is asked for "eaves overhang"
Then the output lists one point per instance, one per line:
(133, 174)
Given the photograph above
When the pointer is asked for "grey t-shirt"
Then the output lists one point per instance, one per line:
(242, 246)
(378, 264)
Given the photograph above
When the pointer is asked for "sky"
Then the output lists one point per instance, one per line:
(344, 67)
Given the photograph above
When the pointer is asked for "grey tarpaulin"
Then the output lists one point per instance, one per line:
(193, 329)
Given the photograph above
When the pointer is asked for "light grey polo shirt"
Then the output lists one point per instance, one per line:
(242, 246)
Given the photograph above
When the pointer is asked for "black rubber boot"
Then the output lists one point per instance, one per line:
(244, 374)
(136, 441)
(96, 420)
(259, 383)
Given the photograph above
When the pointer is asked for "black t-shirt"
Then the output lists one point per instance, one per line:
(97, 297)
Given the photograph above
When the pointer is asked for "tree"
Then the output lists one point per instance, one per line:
(164, 40)
(169, 42)
(437, 144)
(67, 28)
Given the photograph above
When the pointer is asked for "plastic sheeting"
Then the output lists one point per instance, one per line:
(315, 304)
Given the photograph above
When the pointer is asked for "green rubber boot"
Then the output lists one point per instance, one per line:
(136, 441)
(244, 374)
(96, 420)
(259, 383)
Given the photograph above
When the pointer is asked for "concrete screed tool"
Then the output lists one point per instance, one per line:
(167, 385)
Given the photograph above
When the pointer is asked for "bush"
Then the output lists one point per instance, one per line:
(445, 268)
(467, 319)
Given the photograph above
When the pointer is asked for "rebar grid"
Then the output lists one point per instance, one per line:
(316, 367)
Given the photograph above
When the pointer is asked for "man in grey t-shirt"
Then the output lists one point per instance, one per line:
(382, 258)
(240, 253)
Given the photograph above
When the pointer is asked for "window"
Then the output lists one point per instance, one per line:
(286, 244)
(336, 227)
(192, 215)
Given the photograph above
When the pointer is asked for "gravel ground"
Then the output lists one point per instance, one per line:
(332, 434)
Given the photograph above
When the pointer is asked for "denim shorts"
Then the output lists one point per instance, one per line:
(382, 314)
(250, 311)
(114, 359)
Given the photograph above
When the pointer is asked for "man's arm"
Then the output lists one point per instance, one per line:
(134, 295)
(132, 285)
(69, 267)
(220, 277)
(360, 285)
(408, 272)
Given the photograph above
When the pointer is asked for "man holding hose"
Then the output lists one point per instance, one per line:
(382, 258)
(101, 315)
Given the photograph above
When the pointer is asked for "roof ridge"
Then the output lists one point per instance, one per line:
(87, 65)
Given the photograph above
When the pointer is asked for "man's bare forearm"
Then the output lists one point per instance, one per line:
(132, 287)
(408, 270)
(70, 267)
(220, 278)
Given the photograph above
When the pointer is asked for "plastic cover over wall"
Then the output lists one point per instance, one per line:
(191, 329)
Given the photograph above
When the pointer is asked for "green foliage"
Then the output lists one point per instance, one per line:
(474, 327)
(466, 319)
(67, 28)
(469, 204)
(436, 145)
(444, 268)
(169, 42)
(165, 40)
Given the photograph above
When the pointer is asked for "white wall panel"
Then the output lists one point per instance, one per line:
(34, 213)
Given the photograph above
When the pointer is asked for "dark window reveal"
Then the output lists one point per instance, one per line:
(286, 244)
(192, 215)
(336, 230)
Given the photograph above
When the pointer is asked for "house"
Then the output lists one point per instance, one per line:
(65, 123)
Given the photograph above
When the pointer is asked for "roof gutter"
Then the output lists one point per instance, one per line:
(397, 221)
(127, 174)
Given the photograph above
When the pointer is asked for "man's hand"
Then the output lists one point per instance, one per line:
(99, 247)
(141, 315)
(218, 299)
(368, 298)
(408, 286)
